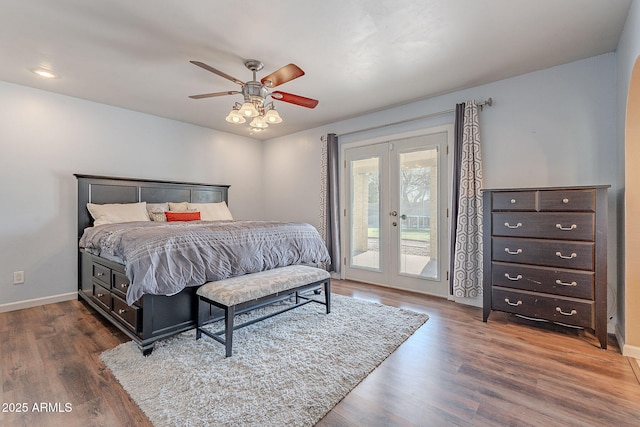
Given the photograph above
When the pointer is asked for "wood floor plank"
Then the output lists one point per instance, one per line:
(504, 366)
(455, 370)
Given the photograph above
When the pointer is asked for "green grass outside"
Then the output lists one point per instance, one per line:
(420, 234)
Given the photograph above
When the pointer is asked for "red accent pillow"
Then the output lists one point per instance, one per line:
(182, 216)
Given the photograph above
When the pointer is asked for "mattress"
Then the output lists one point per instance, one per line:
(163, 258)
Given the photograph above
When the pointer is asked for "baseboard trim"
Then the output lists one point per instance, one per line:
(19, 305)
(631, 351)
(627, 350)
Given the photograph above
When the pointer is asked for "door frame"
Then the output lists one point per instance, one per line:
(344, 192)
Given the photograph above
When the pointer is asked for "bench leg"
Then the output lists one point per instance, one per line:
(327, 295)
(229, 314)
(199, 321)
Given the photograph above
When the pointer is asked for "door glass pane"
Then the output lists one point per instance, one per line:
(418, 216)
(365, 213)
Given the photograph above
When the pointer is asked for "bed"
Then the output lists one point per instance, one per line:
(151, 299)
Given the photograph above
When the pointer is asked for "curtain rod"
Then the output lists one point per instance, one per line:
(488, 102)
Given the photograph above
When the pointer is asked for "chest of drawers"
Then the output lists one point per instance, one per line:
(545, 255)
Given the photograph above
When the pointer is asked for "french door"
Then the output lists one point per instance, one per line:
(396, 213)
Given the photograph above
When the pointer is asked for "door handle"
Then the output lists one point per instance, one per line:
(395, 224)
(403, 216)
(394, 213)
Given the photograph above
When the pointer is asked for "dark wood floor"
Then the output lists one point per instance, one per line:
(455, 370)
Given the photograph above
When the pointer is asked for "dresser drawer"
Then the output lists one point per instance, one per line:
(567, 200)
(554, 253)
(570, 283)
(514, 201)
(531, 304)
(102, 296)
(120, 284)
(101, 273)
(129, 315)
(545, 225)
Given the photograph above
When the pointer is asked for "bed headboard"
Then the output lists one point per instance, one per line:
(105, 189)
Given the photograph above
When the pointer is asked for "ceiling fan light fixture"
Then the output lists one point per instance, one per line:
(255, 93)
(259, 123)
(235, 117)
(248, 110)
(272, 116)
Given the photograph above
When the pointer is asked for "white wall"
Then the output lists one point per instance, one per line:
(553, 127)
(45, 138)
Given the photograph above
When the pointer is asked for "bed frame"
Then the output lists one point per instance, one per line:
(102, 283)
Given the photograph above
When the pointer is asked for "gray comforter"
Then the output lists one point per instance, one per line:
(163, 258)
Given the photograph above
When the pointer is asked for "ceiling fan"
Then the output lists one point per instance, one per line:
(255, 94)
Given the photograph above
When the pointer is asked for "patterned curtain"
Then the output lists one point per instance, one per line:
(329, 210)
(467, 262)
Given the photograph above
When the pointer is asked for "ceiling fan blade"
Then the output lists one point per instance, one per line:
(283, 75)
(211, 95)
(218, 72)
(294, 99)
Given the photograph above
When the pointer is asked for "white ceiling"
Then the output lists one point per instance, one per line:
(359, 55)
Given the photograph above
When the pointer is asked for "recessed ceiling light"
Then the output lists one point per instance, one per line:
(44, 73)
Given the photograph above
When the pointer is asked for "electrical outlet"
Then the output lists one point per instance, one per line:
(18, 277)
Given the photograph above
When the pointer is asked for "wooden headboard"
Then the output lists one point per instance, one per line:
(105, 189)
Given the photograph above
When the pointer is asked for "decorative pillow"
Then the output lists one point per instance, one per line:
(178, 207)
(158, 216)
(212, 211)
(157, 207)
(157, 210)
(113, 213)
(182, 216)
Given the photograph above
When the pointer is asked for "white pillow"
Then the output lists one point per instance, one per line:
(212, 211)
(112, 213)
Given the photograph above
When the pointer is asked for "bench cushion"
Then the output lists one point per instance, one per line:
(239, 289)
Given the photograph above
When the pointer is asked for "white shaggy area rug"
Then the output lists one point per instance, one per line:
(288, 370)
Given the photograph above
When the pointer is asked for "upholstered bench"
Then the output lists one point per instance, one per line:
(240, 294)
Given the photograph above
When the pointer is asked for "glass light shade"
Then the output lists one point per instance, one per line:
(272, 116)
(258, 122)
(248, 110)
(235, 117)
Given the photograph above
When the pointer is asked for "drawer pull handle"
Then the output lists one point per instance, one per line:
(565, 201)
(560, 282)
(98, 274)
(518, 225)
(519, 251)
(573, 255)
(124, 285)
(559, 310)
(515, 304)
(99, 295)
(518, 277)
(560, 227)
(513, 201)
(122, 311)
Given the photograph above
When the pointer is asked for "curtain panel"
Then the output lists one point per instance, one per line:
(467, 259)
(458, 132)
(329, 200)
